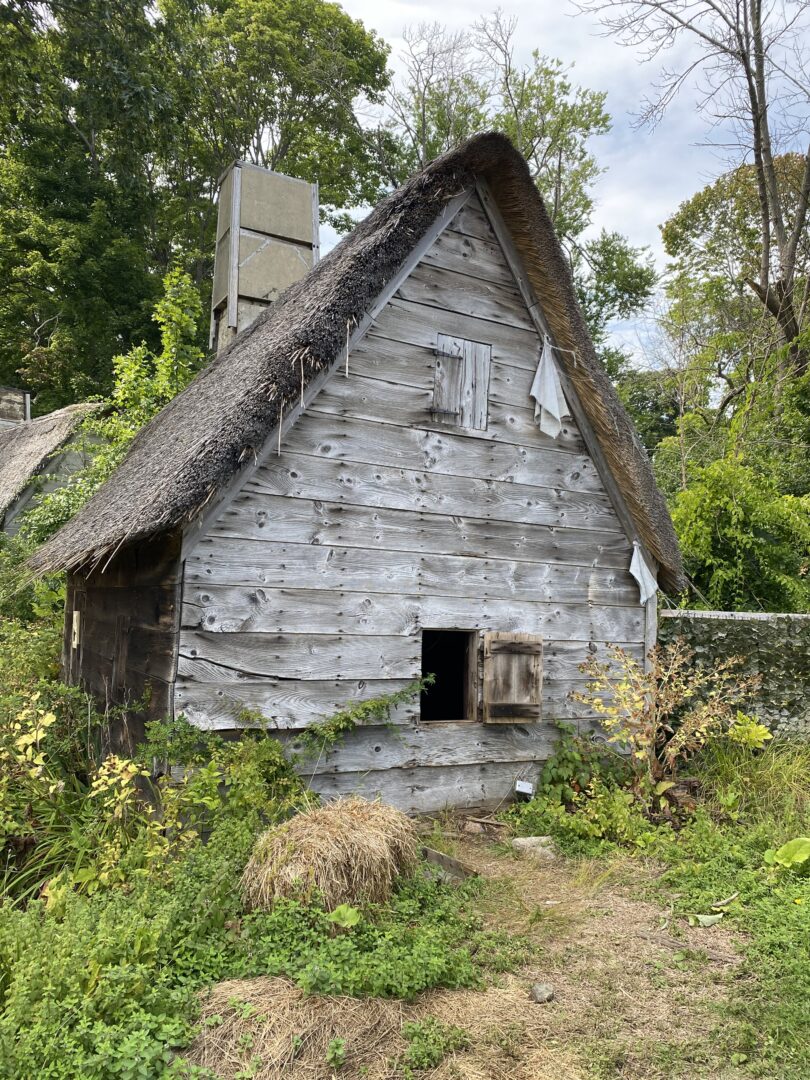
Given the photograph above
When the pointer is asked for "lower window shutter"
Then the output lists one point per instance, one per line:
(513, 678)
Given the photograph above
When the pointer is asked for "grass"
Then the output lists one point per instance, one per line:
(759, 1012)
(770, 1013)
(753, 802)
(773, 785)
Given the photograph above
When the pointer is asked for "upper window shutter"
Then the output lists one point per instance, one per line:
(513, 678)
(461, 385)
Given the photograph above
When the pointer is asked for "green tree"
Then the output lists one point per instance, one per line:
(746, 546)
(458, 83)
(74, 198)
(750, 64)
(145, 381)
(119, 117)
(278, 83)
(614, 281)
(741, 387)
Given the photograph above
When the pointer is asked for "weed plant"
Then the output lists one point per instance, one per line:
(114, 915)
(717, 869)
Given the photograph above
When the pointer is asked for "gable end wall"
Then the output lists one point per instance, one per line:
(375, 520)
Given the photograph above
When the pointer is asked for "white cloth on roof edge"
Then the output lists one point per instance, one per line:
(647, 584)
(549, 401)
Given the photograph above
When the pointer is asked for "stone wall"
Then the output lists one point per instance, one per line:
(776, 646)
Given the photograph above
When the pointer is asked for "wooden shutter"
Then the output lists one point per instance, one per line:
(461, 386)
(513, 678)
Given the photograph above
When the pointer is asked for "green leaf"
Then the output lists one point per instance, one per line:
(705, 920)
(794, 852)
(664, 785)
(345, 915)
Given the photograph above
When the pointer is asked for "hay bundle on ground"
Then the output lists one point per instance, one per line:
(350, 850)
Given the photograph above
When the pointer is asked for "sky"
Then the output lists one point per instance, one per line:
(648, 173)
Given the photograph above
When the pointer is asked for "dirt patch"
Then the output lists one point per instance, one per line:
(635, 996)
(641, 994)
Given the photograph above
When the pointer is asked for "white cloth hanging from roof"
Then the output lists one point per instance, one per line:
(549, 401)
(647, 584)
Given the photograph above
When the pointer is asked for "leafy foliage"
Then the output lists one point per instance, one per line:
(114, 912)
(458, 83)
(100, 982)
(793, 855)
(117, 118)
(597, 820)
(712, 860)
(144, 383)
(662, 715)
(575, 763)
(745, 545)
(429, 1042)
(325, 733)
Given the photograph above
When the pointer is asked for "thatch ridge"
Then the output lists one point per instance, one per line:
(199, 440)
(26, 448)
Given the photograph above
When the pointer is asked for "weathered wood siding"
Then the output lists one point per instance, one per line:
(15, 406)
(311, 588)
(129, 617)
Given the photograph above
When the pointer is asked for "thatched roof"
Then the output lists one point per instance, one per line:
(26, 448)
(198, 442)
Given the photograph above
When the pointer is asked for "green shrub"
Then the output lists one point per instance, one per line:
(597, 820)
(99, 981)
(577, 761)
(429, 1043)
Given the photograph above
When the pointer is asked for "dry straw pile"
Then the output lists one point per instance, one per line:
(351, 851)
(286, 1034)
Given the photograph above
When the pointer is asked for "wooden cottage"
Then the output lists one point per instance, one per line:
(412, 462)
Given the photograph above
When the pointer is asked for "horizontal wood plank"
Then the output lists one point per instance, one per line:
(300, 656)
(285, 703)
(307, 655)
(308, 477)
(290, 704)
(412, 746)
(428, 790)
(471, 220)
(409, 406)
(403, 364)
(406, 321)
(447, 290)
(365, 441)
(317, 522)
(467, 254)
(453, 593)
(353, 576)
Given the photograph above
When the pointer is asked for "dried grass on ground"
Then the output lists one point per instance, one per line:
(351, 851)
(634, 998)
(272, 1021)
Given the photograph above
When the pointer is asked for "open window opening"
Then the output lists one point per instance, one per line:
(452, 656)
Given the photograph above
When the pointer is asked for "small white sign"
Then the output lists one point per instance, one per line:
(524, 787)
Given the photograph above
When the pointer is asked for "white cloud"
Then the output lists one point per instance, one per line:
(648, 173)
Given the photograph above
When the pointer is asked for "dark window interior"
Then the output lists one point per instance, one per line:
(449, 655)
